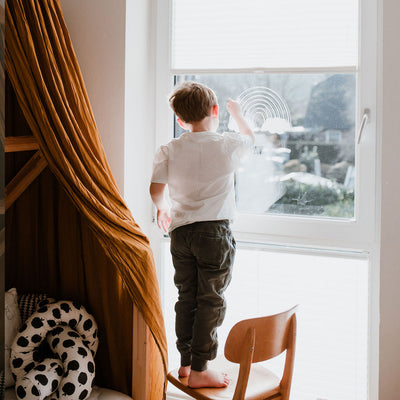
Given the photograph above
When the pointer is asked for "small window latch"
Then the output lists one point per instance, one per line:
(364, 120)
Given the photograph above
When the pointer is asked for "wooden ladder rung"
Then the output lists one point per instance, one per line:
(24, 178)
(20, 143)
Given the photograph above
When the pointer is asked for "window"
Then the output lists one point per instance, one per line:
(304, 157)
(305, 73)
(240, 34)
(309, 180)
(297, 168)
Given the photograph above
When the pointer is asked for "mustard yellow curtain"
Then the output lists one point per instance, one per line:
(45, 76)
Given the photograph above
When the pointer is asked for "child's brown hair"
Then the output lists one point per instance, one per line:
(192, 101)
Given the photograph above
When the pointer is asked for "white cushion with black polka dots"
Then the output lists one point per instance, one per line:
(71, 334)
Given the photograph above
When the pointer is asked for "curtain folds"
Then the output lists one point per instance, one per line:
(45, 75)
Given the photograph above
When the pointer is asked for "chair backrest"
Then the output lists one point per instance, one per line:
(273, 335)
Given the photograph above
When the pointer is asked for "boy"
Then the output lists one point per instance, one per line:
(199, 170)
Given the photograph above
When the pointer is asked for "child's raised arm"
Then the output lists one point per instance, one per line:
(234, 110)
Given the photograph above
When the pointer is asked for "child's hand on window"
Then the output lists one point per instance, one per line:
(233, 108)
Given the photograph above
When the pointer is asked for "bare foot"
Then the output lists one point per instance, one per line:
(184, 371)
(207, 378)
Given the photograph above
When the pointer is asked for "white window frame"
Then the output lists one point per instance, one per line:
(360, 234)
(355, 234)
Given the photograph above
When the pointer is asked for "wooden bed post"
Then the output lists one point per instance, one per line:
(141, 360)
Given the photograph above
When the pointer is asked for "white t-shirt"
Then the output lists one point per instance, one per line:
(199, 170)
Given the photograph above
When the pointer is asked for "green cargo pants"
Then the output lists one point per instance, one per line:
(203, 255)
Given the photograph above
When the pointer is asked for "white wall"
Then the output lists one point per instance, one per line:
(139, 108)
(117, 62)
(389, 348)
(97, 30)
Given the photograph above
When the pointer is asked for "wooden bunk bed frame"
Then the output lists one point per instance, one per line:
(142, 350)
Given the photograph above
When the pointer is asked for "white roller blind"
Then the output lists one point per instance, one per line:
(239, 34)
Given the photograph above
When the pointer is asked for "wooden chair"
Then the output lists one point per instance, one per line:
(251, 341)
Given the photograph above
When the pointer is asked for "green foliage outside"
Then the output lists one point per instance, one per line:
(330, 201)
(341, 209)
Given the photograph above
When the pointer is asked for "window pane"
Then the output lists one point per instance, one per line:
(332, 321)
(229, 34)
(304, 157)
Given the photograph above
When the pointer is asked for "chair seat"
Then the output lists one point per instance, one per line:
(262, 382)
